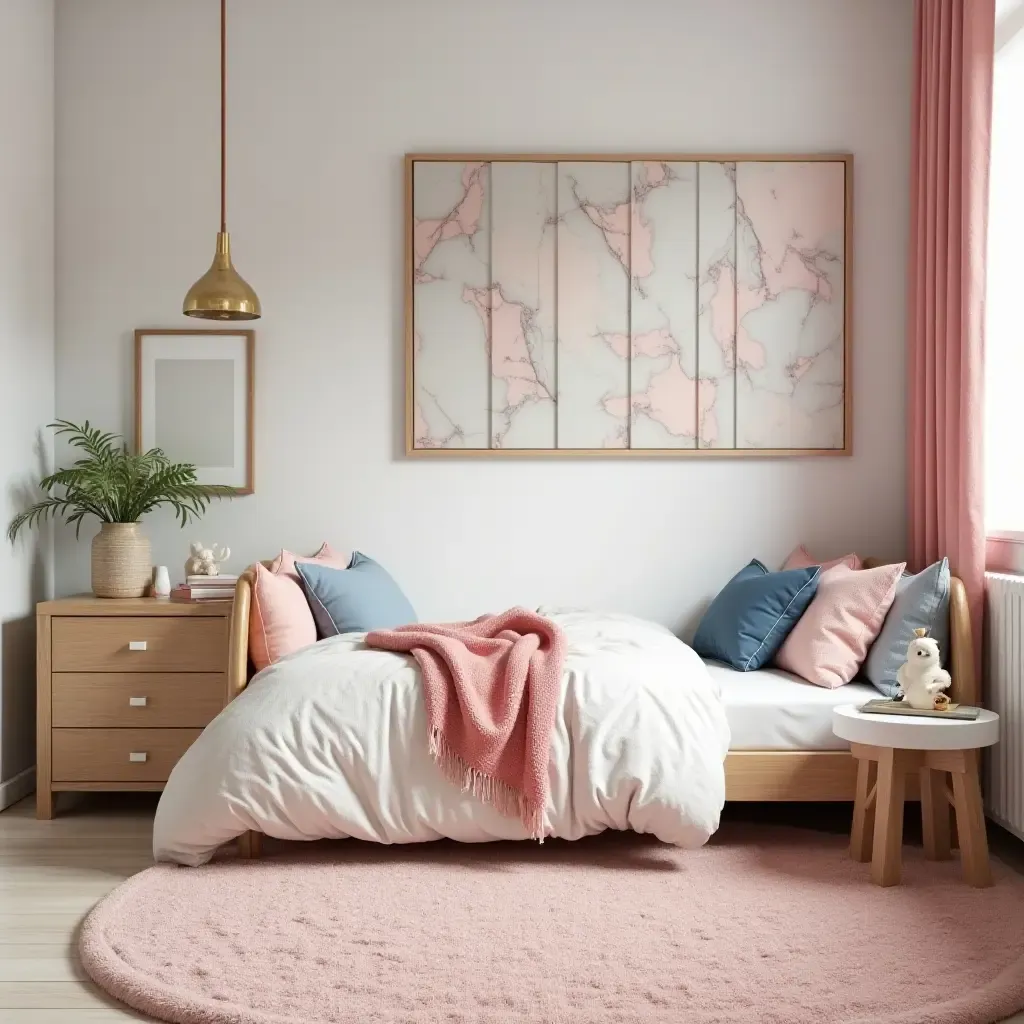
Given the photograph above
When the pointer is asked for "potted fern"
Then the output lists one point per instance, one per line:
(118, 488)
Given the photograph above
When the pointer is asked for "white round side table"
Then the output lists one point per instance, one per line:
(886, 748)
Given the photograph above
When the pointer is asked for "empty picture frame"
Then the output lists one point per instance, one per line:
(194, 399)
(628, 304)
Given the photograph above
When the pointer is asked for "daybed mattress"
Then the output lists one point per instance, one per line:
(774, 710)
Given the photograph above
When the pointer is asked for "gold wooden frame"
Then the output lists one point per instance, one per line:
(750, 775)
(409, 273)
(250, 412)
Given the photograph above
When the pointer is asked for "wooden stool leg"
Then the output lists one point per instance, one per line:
(890, 788)
(862, 832)
(970, 825)
(934, 814)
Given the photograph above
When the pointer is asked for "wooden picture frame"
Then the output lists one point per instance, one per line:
(197, 345)
(414, 446)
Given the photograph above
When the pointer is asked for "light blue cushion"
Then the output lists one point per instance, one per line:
(747, 622)
(922, 602)
(353, 600)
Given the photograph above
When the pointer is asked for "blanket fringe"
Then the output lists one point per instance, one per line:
(500, 795)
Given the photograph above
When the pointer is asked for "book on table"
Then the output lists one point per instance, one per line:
(962, 712)
(211, 581)
(183, 592)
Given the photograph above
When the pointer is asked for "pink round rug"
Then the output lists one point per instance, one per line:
(760, 926)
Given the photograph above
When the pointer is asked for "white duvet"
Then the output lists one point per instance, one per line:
(332, 742)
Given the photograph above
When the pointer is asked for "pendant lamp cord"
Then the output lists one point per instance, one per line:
(223, 115)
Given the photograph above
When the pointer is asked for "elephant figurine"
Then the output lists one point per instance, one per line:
(206, 561)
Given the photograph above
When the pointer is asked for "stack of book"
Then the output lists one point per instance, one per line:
(898, 707)
(205, 588)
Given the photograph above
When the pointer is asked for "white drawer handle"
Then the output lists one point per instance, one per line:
(136, 645)
(137, 755)
(137, 702)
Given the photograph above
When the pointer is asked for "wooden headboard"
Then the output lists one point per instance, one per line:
(239, 667)
(964, 690)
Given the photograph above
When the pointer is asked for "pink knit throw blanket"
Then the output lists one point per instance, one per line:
(491, 688)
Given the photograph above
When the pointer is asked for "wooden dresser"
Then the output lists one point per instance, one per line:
(124, 687)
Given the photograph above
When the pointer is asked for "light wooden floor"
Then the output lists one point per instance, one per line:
(52, 872)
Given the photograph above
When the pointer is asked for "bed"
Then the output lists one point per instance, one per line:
(333, 741)
(773, 710)
(783, 748)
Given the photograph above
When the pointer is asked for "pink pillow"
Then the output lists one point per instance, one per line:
(801, 559)
(831, 640)
(280, 620)
(286, 560)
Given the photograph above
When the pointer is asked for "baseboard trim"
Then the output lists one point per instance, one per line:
(17, 788)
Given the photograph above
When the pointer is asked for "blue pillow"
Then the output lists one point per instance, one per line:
(748, 621)
(921, 601)
(353, 600)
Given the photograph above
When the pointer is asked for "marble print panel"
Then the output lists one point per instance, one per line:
(593, 247)
(716, 317)
(451, 317)
(663, 306)
(612, 304)
(790, 222)
(522, 304)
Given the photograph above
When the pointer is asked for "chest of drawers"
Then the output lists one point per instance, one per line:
(124, 687)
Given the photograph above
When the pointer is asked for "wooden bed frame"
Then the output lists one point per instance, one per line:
(750, 775)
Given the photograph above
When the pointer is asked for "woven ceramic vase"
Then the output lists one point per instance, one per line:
(121, 564)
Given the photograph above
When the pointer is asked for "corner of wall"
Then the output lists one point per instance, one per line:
(27, 342)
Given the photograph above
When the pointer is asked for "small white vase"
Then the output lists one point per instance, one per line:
(161, 581)
(121, 565)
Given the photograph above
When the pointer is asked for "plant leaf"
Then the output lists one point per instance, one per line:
(115, 485)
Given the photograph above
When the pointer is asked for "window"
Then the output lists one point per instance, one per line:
(1004, 319)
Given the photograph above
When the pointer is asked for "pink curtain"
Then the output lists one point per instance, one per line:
(953, 52)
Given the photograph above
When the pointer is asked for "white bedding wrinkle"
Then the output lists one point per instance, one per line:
(332, 742)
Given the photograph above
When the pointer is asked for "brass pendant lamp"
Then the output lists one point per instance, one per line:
(221, 293)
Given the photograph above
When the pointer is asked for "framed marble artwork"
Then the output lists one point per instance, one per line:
(641, 305)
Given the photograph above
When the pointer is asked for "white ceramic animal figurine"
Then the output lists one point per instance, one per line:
(205, 561)
(921, 677)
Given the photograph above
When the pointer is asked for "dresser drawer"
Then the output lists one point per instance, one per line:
(139, 644)
(114, 700)
(118, 755)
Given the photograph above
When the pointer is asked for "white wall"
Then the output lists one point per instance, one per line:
(26, 361)
(325, 97)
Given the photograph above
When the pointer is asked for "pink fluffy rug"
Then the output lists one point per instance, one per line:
(760, 926)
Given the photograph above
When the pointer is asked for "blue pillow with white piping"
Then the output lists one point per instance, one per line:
(353, 600)
(750, 618)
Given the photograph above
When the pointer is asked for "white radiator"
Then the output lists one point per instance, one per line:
(1004, 694)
